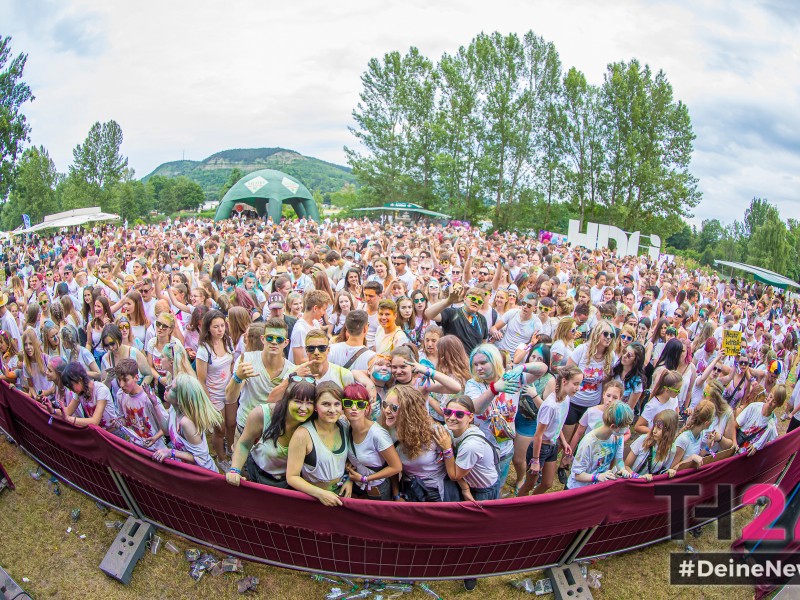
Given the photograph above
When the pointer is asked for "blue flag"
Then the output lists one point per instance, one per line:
(26, 220)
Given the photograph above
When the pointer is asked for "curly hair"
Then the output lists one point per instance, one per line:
(413, 421)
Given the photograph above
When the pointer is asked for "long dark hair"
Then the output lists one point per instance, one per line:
(671, 355)
(205, 330)
(544, 350)
(637, 369)
(297, 390)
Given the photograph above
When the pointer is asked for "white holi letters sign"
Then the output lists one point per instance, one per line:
(597, 236)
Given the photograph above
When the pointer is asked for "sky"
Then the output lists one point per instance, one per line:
(188, 79)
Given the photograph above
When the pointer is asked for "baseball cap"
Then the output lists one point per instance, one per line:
(276, 300)
(69, 268)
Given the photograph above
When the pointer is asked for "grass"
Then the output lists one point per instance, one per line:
(34, 544)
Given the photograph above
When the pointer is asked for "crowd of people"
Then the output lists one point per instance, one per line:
(392, 361)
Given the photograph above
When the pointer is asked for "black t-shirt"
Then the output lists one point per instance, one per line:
(455, 322)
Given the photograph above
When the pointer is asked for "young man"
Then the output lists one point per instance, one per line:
(136, 408)
(372, 296)
(517, 326)
(300, 281)
(257, 373)
(276, 309)
(400, 262)
(389, 336)
(466, 323)
(315, 304)
(353, 353)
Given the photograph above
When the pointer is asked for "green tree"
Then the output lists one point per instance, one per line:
(769, 246)
(179, 194)
(98, 160)
(132, 199)
(711, 233)
(75, 192)
(649, 143)
(235, 175)
(34, 191)
(14, 127)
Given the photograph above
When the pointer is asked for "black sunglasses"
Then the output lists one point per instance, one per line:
(321, 348)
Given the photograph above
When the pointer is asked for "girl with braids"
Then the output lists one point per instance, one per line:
(652, 454)
(190, 416)
(214, 369)
(722, 431)
(664, 396)
(405, 418)
(318, 450)
(452, 361)
(261, 451)
(542, 453)
(372, 455)
(599, 454)
(690, 441)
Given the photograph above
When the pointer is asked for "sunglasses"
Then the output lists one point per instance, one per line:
(161, 325)
(716, 370)
(626, 338)
(419, 301)
(145, 290)
(394, 407)
(321, 348)
(477, 300)
(42, 302)
(545, 309)
(127, 325)
(298, 379)
(108, 345)
(529, 305)
(275, 339)
(359, 404)
(459, 414)
(608, 334)
(483, 273)
(672, 389)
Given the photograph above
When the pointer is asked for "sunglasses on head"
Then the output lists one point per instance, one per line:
(359, 404)
(298, 379)
(321, 348)
(459, 414)
(476, 299)
(394, 407)
(274, 339)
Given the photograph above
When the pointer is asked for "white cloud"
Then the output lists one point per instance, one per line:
(201, 77)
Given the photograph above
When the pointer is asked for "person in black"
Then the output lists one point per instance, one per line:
(465, 322)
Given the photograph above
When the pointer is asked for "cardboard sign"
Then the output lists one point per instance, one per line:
(732, 342)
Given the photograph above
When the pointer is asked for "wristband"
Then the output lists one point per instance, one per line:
(364, 479)
(534, 461)
(236, 378)
(594, 478)
(447, 453)
(634, 476)
(232, 470)
(491, 387)
(396, 497)
(173, 454)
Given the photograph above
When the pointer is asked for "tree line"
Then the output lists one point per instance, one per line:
(99, 174)
(500, 130)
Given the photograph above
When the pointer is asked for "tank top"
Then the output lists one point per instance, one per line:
(329, 464)
(268, 455)
(180, 443)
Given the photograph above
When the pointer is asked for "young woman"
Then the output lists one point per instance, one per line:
(352, 283)
(738, 381)
(128, 338)
(51, 339)
(214, 369)
(101, 317)
(407, 371)
(371, 453)
(757, 425)
(71, 316)
(690, 441)
(9, 358)
(530, 400)
(664, 396)
(418, 324)
(261, 451)
(405, 317)
(111, 339)
(191, 335)
(467, 454)
(57, 394)
(543, 452)
(677, 357)
(34, 364)
(94, 397)
(563, 341)
(652, 454)
(174, 362)
(593, 418)
(342, 306)
(429, 342)
(452, 361)
(722, 431)
(190, 416)
(432, 291)
(630, 372)
(133, 308)
(238, 322)
(599, 455)
(318, 450)
(405, 418)
(294, 305)
(72, 351)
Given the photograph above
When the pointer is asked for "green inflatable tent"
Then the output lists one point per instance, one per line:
(266, 191)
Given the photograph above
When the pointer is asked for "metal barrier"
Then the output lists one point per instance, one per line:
(367, 538)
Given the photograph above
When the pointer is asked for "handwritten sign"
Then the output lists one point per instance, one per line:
(731, 342)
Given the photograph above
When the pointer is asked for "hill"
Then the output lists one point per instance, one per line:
(212, 172)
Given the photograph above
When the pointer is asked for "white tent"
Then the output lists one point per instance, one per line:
(69, 218)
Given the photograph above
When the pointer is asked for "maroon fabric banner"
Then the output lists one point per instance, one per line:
(378, 539)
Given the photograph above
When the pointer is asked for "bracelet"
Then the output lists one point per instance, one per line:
(236, 378)
(447, 453)
(173, 454)
(396, 497)
(491, 387)
(364, 479)
(594, 478)
(231, 470)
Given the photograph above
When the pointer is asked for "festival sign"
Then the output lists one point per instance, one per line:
(731, 342)
(598, 236)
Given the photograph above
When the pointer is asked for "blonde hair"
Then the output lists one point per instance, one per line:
(193, 402)
(492, 354)
(594, 343)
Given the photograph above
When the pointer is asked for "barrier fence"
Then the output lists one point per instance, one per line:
(367, 538)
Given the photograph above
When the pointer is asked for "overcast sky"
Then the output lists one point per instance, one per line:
(199, 77)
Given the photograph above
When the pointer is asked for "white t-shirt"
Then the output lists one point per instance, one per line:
(366, 457)
(504, 404)
(338, 375)
(595, 456)
(340, 353)
(255, 390)
(691, 445)
(218, 373)
(592, 418)
(298, 340)
(517, 331)
(553, 414)
(654, 406)
(474, 455)
(594, 375)
(751, 420)
(640, 464)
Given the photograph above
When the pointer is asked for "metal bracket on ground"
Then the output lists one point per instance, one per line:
(128, 547)
(569, 583)
(5, 480)
(9, 588)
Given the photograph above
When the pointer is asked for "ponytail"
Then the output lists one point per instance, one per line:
(565, 374)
